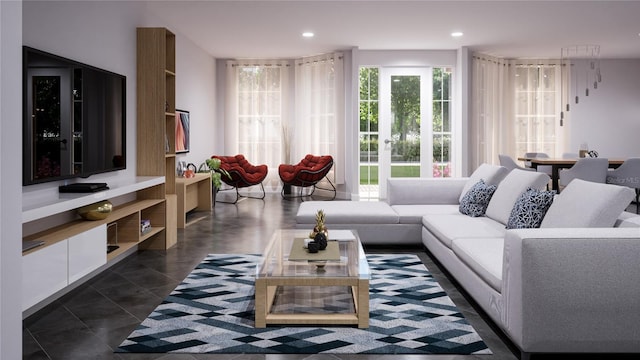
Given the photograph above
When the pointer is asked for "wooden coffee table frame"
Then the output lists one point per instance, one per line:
(266, 288)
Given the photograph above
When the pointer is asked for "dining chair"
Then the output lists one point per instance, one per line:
(510, 164)
(627, 174)
(541, 168)
(588, 169)
(569, 155)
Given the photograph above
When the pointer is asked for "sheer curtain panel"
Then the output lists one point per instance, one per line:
(319, 107)
(491, 112)
(257, 103)
(515, 108)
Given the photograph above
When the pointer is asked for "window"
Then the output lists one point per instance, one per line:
(256, 110)
(260, 101)
(535, 109)
(515, 109)
(260, 113)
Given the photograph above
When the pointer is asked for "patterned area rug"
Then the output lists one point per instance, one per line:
(212, 312)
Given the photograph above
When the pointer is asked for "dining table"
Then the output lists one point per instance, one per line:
(560, 163)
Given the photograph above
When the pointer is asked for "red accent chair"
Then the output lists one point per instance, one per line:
(308, 172)
(241, 174)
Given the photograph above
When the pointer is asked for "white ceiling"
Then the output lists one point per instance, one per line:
(511, 29)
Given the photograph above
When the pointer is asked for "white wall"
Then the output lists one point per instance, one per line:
(196, 93)
(609, 119)
(407, 57)
(10, 179)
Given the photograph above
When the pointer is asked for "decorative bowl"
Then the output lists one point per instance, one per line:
(97, 211)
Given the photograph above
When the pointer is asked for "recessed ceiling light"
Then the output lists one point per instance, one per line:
(308, 34)
(457, 34)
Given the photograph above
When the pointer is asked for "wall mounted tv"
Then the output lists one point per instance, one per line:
(74, 119)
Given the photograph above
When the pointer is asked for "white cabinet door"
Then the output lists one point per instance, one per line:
(43, 273)
(87, 252)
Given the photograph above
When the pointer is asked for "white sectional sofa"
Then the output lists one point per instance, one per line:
(570, 286)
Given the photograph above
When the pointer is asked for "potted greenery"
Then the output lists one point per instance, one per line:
(213, 166)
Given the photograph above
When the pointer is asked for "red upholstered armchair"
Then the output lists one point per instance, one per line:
(241, 174)
(308, 172)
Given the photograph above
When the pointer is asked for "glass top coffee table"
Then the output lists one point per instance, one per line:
(318, 289)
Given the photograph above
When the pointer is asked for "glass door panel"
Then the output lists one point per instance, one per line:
(405, 124)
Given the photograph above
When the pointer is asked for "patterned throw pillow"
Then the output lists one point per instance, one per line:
(474, 203)
(530, 208)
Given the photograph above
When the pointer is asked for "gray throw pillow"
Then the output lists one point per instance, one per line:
(474, 203)
(514, 184)
(491, 174)
(530, 208)
(585, 204)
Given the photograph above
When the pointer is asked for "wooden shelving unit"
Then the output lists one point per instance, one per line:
(193, 194)
(127, 216)
(156, 155)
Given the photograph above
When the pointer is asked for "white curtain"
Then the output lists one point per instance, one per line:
(537, 106)
(318, 126)
(515, 108)
(257, 108)
(491, 130)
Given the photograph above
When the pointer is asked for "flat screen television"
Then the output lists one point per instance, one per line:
(74, 119)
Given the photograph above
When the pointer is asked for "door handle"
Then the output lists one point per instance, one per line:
(387, 141)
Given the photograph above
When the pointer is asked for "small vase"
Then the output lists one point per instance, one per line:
(313, 247)
(321, 240)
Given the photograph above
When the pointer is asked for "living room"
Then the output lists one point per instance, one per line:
(102, 34)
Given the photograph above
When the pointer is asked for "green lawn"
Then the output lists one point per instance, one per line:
(369, 173)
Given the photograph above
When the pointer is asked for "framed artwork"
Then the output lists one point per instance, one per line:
(182, 131)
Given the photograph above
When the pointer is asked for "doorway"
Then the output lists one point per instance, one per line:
(404, 125)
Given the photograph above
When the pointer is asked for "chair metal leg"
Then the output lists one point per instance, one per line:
(229, 202)
(315, 186)
(333, 189)
(238, 195)
(299, 195)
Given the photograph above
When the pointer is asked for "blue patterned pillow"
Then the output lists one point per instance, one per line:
(474, 203)
(530, 208)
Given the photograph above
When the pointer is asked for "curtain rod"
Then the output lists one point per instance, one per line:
(507, 62)
(340, 57)
(255, 64)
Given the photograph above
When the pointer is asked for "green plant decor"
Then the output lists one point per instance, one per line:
(213, 166)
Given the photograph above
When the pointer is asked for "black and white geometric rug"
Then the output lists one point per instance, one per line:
(212, 311)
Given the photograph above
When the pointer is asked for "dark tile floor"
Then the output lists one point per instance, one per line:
(92, 320)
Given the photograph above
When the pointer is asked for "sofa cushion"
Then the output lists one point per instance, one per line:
(412, 214)
(587, 204)
(447, 228)
(418, 191)
(627, 219)
(510, 188)
(474, 203)
(347, 212)
(483, 256)
(491, 174)
(529, 209)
